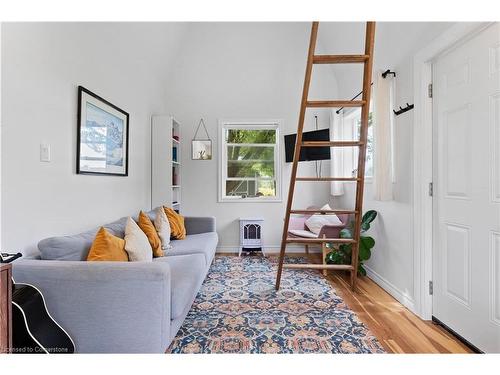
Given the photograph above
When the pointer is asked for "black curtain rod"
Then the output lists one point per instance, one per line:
(341, 108)
(384, 75)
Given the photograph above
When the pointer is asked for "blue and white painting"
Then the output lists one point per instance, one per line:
(102, 140)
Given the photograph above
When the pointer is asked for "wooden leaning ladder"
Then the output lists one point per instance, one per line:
(364, 103)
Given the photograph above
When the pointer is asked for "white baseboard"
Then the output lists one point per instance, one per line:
(402, 297)
(273, 249)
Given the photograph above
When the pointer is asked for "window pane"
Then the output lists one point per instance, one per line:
(247, 161)
(251, 188)
(251, 136)
(267, 188)
(257, 169)
(250, 153)
(369, 145)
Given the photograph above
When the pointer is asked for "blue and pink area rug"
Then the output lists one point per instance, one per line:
(238, 311)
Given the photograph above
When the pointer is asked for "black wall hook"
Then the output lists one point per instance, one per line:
(403, 110)
(387, 72)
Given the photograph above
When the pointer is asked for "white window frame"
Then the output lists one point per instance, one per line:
(225, 124)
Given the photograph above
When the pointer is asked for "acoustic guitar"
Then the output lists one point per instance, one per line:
(34, 331)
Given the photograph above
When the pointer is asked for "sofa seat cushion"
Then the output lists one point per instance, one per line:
(187, 273)
(202, 243)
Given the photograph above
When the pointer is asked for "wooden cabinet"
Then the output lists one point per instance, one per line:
(5, 307)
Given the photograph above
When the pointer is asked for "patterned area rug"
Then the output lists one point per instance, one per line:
(238, 311)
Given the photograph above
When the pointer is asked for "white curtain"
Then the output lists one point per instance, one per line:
(383, 138)
(337, 157)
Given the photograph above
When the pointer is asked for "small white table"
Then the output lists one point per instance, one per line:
(251, 233)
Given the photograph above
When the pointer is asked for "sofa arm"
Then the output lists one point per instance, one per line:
(197, 224)
(106, 307)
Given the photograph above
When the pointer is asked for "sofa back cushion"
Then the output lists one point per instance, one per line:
(76, 247)
(152, 214)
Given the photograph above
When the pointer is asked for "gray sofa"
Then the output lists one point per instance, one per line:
(120, 307)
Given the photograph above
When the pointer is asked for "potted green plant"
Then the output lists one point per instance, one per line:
(342, 254)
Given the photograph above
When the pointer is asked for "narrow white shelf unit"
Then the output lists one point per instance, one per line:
(165, 162)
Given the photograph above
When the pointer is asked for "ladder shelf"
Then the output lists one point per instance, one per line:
(367, 60)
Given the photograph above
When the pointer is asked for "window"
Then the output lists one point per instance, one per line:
(250, 167)
(369, 143)
(353, 121)
(350, 123)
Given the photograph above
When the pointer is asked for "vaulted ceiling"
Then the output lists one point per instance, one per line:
(394, 42)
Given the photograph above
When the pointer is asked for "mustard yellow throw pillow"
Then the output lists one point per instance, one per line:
(177, 228)
(107, 247)
(150, 231)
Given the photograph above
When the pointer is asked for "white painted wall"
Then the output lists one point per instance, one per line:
(42, 65)
(250, 71)
(217, 70)
(391, 264)
(0, 133)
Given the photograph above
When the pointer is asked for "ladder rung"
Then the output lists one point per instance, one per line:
(320, 211)
(319, 240)
(339, 59)
(331, 144)
(327, 179)
(335, 103)
(319, 266)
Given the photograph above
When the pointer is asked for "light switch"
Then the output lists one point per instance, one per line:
(45, 152)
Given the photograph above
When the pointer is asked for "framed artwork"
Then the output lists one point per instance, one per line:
(201, 149)
(102, 138)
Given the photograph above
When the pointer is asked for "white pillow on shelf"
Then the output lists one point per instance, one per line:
(137, 244)
(317, 221)
(163, 228)
(303, 233)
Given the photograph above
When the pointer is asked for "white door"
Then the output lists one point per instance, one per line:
(466, 263)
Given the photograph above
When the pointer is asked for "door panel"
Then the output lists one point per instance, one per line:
(457, 154)
(495, 275)
(466, 223)
(457, 263)
(495, 146)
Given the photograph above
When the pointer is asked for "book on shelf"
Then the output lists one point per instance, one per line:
(174, 177)
(174, 154)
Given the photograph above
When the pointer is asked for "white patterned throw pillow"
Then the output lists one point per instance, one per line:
(317, 221)
(303, 233)
(163, 228)
(137, 244)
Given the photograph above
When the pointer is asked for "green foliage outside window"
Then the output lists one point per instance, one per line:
(253, 160)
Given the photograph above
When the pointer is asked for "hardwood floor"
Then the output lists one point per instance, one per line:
(397, 328)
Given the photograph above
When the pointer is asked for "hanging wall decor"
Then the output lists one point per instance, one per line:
(102, 144)
(201, 149)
